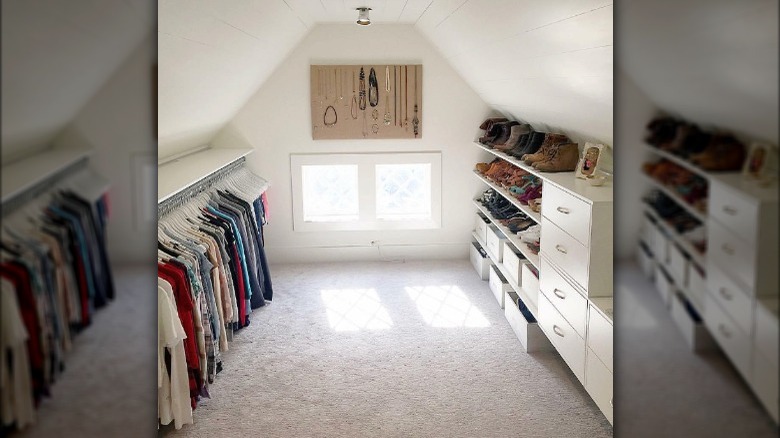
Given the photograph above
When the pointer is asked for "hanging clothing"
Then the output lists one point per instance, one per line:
(212, 275)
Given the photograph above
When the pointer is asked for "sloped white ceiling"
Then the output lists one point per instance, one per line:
(55, 56)
(714, 62)
(214, 55)
(548, 63)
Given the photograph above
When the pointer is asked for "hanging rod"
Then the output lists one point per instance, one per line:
(182, 197)
(24, 195)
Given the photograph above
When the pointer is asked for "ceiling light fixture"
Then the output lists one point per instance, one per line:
(363, 19)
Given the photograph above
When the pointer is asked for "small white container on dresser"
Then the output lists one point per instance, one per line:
(526, 330)
(480, 262)
(495, 243)
(498, 285)
(742, 280)
(530, 284)
(481, 225)
(513, 261)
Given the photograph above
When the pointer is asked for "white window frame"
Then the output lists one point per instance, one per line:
(366, 163)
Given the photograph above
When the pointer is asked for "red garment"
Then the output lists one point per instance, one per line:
(264, 200)
(19, 276)
(184, 307)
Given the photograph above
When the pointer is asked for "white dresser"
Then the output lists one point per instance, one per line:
(567, 287)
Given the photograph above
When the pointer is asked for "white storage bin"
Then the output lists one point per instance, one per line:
(524, 325)
(678, 265)
(498, 285)
(664, 285)
(480, 262)
(646, 230)
(599, 383)
(513, 261)
(530, 283)
(646, 261)
(660, 245)
(495, 243)
(481, 226)
(690, 324)
(697, 282)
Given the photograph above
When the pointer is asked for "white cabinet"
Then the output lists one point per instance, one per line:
(570, 289)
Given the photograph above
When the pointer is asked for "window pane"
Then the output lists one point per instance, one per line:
(403, 191)
(330, 193)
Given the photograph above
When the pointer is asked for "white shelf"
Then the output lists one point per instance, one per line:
(513, 239)
(518, 290)
(25, 174)
(537, 217)
(174, 176)
(697, 256)
(682, 162)
(677, 199)
(565, 180)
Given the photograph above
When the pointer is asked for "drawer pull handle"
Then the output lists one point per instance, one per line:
(723, 330)
(724, 293)
(610, 404)
(558, 331)
(560, 249)
(727, 249)
(730, 210)
(563, 210)
(559, 293)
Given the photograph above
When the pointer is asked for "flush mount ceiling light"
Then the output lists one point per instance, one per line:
(363, 19)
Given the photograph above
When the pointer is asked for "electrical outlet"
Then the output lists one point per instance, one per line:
(374, 243)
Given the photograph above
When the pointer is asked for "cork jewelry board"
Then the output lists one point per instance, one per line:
(366, 101)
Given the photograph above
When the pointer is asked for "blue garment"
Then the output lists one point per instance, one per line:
(241, 253)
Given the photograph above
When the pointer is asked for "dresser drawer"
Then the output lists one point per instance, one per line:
(481, 227)
(737, 212)
(599, 383)
(526, 328)
(732, 254)
(569, 303)
(568, 254)
(766, 335)
(600, 336)
(480, 262)
(495, 243)
(569, 344)
(737, 304)
(568, 212)
(734, 342)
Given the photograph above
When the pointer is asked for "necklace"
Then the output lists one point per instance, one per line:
(406, 98)
(325, 116)
(362, 88)
(388, 117)
(415, 120)
(353, 105)
(395, 96)
(373, 88)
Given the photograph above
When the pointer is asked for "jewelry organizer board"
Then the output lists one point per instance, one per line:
(336, 99)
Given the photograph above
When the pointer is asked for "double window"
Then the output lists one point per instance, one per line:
(372, 191)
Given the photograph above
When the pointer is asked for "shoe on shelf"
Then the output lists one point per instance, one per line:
(661, 130)
(515, 133)
(549, 143)
(482, 167)
(535, 205)
(490, 121)
(505, 130)
(491, 133)
(531, 144)
(723, 153)
(530, 234)
(562, 158)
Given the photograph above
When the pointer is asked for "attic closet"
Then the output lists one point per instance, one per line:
(55, 273)
(212, 271)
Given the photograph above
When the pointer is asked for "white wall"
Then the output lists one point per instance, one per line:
(636, 110)
(118, 123)
(276, 122)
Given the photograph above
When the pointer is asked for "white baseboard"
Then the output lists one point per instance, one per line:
(289, 254)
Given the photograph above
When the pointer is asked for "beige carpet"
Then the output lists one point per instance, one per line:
(389, 349)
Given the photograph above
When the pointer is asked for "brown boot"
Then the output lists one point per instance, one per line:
(550, 140)
(489, 122)
(564, 158)
(514, 137)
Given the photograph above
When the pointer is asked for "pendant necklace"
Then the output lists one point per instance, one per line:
(415, 120)
(330, 107)
(395, 96)
(373, 88)
(362, 89)
(388, 117)
(353, 106)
